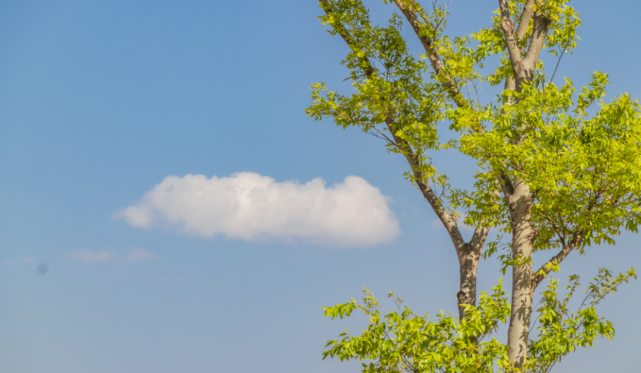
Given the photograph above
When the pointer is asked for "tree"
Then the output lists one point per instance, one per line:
(554, 173)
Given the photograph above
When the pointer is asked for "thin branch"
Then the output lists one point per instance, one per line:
(409, 9)
(386, 138)
(476, 91)
(342, 31)
(558, 258)
(557, 65)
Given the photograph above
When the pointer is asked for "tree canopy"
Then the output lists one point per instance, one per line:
(558, 169)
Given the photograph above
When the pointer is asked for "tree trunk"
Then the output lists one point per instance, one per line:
(523, 235)
(468, 268)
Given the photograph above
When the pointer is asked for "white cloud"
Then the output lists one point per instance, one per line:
(251, 207)
(89, 256)
(138, 255)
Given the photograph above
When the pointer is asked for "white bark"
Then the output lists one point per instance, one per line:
(523, 236)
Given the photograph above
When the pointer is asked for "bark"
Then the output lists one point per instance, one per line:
(469, 263)
(524, 22)
(523, 236)
(507, 25)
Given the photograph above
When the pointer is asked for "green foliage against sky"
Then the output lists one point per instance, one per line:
(583, 169)
(405, 342)
(557, 169)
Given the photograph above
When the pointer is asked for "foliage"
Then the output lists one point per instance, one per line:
(584, 170)
(405, 342)
(557, 169)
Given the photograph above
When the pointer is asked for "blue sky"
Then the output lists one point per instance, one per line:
(101, 101)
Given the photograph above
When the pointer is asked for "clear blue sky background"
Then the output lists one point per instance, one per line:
(101, 100)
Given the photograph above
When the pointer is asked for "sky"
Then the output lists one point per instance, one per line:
(167, 206)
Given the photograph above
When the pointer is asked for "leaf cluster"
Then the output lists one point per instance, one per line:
(402, 341)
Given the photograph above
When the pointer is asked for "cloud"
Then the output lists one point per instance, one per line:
(252, 207)
(89, 256)
(24, 259)
(138, 255)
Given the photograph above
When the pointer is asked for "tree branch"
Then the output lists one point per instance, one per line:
(539, 31)
(342, 31)
(479, 237)
(446, 218)
(507, 25)
(524, 22)
(408, 8)
(539, 275)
